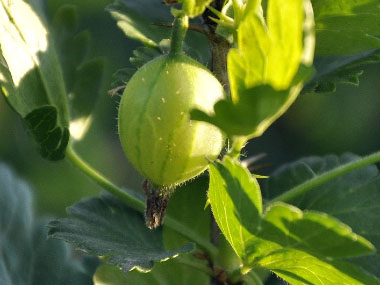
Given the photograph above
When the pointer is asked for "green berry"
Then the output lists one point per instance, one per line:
(155, 129)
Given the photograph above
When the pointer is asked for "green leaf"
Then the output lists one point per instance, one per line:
(222, 29)
(277, 48)
(84, 96)
(131, 18)
(169, 273)
(26, 256)
(346, 26)
(89, 77)
(256, 110)
(134, 25)
(51, 140)
(267, 69)
(303, 248)
(315, 241)
(333, 70)
(251, 115)
(187, 206)
(235, 199)
(83, 79)
(194, 8)
(299, 268)
(352, 198)
(30, 74)
(106, 227)
(72, 47)
(285, 226)
(143, 54)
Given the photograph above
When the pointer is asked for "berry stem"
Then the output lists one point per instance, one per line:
(237, 145)
(180, 26)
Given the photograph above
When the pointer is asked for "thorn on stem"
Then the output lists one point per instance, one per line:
(117, 90)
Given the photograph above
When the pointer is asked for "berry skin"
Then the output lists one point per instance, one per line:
(154, 126)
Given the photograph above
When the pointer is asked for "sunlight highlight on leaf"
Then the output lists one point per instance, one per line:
(79, 127)
(300, 246)
(194, 8)
(267, 69)
(346, 26)
(268, 53)
(31, 76)
(21, 43)
(235, 199)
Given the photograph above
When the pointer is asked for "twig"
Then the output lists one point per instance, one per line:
(250, 160)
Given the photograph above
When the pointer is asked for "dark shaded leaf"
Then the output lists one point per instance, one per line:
(143, 55)
(151, 9)
(83, 79)
(107, 227)
(87, 86)
(26, 256)
(187, 206)
(353, 198)
(134, 25)
(171, 272)
(51, 140)
(333, 70)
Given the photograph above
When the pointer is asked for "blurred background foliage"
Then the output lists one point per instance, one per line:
(346, 121)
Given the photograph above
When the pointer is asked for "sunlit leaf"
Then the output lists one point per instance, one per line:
(235, 199)
(315, 242)
(299, 268)
(267, 69)
(30, 75)
(194, 8)
(285, 226)
(346, 26)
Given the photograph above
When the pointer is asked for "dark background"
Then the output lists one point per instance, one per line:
(346, 121)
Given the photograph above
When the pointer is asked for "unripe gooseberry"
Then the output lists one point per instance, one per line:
(155, 129)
